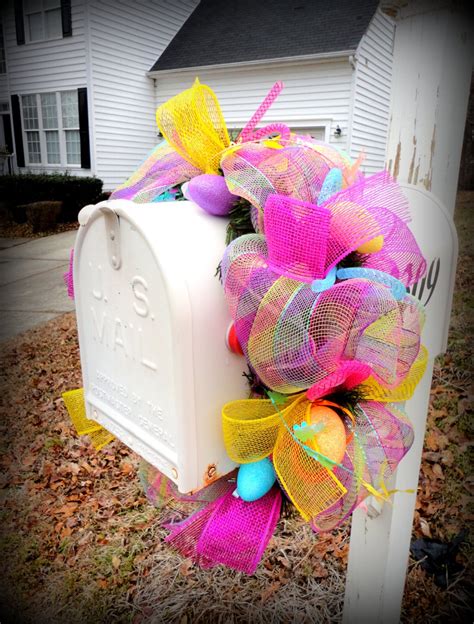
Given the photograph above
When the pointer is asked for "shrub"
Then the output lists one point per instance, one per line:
(74, 192)
(43, 215)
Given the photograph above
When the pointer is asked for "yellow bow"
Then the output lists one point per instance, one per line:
(76, 407)
(193, 124)
(255, 428)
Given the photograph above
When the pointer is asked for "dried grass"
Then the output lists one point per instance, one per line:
(276, 593)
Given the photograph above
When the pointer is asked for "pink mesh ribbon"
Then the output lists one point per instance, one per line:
(228, 531)
(349, 374)
(69, 276)
(248, 130)
(297, 234)
(375, 206)
(273, 128)
(297, 335)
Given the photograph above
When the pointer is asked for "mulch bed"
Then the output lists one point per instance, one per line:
(25, 230)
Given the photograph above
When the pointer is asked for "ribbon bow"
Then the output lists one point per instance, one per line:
(324, 491)
(196, 137)
(299, 329)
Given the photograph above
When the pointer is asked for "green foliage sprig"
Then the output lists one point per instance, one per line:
(240, 222)
(354, 259)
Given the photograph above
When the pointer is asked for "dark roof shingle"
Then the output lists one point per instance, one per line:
(233, 31)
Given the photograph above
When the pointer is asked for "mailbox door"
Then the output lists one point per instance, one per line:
(152, 320)
(124, 323)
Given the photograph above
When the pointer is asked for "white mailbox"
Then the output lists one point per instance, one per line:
(152, 321)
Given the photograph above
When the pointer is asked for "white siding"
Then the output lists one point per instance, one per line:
(125, 40)
(371, 93)
(315, 93)
(4, 91)
(46, 65)
(4, 95)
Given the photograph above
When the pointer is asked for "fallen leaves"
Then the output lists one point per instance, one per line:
(128, 469)
(67, 510)
(185, 569)
(58, 491)
(425, 527)
(270, 590)
(116, 562)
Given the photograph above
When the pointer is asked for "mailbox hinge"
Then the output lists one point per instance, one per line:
(112, 232)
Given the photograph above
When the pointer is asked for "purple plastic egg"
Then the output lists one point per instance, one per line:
(210, 193)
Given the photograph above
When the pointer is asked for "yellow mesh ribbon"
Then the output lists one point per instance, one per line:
(75, 405)
(256, 428)
(193, 124)
(373, 391)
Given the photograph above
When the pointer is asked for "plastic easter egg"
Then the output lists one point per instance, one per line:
(255, 480)
(210, 193)
(371, 246)
(232, 341)
(332, 184)
(184, 191)
(330, 440)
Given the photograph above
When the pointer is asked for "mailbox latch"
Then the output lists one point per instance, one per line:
(112, 232)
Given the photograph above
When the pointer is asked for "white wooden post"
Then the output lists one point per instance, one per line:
(431, 77)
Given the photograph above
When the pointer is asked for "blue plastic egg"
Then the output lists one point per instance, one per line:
(255, 480)
(332, 184)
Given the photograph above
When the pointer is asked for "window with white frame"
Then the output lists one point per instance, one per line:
(51, 128)
(42, 19)
(3, 63)
(316, 132)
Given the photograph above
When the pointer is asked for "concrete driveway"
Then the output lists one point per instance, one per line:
(32, 289)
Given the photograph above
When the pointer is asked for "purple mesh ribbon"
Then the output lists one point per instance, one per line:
(69, 276)
(163, 169)
(229, 531)
(159, 489)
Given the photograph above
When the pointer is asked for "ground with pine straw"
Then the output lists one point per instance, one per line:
(80, 543)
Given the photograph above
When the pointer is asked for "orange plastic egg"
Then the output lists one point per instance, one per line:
(371, 246)
(330, 441)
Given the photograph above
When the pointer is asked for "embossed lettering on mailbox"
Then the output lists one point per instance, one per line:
(121, 323)
(115, 333)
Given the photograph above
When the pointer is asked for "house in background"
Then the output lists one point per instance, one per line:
(74, 90)
(334, 58)
(82, 78)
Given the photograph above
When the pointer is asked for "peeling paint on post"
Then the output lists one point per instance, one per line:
(396, 166)
(412, 164)
(433, 57)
